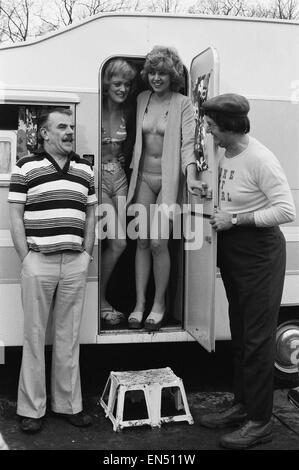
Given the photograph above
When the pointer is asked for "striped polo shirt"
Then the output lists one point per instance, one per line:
(55, 200)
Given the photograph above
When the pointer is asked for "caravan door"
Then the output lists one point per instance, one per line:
(200, 252)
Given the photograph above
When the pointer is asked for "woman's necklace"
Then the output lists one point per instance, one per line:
(158, 107)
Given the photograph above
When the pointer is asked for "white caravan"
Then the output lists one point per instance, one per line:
(256, 58)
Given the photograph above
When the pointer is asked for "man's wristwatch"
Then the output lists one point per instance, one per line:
(234, 219)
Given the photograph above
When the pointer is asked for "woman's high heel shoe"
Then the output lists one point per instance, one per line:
(135, 320)
(154, 321)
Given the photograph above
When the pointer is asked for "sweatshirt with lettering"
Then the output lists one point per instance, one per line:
(254, 181)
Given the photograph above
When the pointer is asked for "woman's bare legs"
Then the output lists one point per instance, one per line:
(116, 241)
(142, 268)
(143, 260)
(156, 246)
(160, 232)
(159, 235)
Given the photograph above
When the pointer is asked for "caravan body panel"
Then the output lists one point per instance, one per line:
(258, 58)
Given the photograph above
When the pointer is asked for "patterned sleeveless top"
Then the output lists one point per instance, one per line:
(119, 136)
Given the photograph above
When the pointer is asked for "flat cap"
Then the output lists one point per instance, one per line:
(228, 103)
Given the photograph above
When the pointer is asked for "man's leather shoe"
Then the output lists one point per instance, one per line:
(293, 396)
(80, 419)
(248, 435)
(234, 416)
(30, 425)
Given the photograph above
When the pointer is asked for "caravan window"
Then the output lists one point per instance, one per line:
(20, 120)
(18, 134)
(8, 144)
(8, 140)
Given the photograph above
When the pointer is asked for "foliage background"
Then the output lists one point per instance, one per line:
(25, 19)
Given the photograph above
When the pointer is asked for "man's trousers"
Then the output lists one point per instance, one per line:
(52, 282)
(252, 264)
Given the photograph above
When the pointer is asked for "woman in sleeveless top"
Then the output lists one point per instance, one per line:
(115, 134)
(164, 148)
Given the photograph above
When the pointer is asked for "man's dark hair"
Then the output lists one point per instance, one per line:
(226, 122)
(46, 111)
(44, 116)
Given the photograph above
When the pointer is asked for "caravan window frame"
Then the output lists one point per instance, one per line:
(11, 135)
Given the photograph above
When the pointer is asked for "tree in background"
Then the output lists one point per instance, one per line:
(24, 19)
(280, 9)
(165, 6)
(277, 9)
(219, 7)
(93, 7)
(55, 14)
(15, 19)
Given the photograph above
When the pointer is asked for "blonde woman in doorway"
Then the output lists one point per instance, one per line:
(163, 152)
(118, 134)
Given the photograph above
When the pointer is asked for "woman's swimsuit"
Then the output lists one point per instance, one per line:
(114, 180)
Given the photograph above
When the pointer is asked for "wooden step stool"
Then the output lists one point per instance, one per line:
(150, 382)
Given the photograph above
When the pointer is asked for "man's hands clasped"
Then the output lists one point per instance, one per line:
(221, 220)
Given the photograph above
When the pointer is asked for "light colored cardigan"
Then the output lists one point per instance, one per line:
(178, 145)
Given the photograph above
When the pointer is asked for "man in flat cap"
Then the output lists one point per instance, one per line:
(228, 103)
(254, 199)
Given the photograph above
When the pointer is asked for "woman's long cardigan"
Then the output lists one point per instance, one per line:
(178, 145)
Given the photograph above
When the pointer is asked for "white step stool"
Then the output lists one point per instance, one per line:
(151, 382)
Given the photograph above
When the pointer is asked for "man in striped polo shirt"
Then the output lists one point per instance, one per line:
(52, 199)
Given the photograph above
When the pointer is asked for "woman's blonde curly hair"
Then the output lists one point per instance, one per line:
(167, 60)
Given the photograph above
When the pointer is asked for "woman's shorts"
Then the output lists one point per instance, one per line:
(114, 180)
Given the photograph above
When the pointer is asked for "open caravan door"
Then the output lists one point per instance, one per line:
(200, 257)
